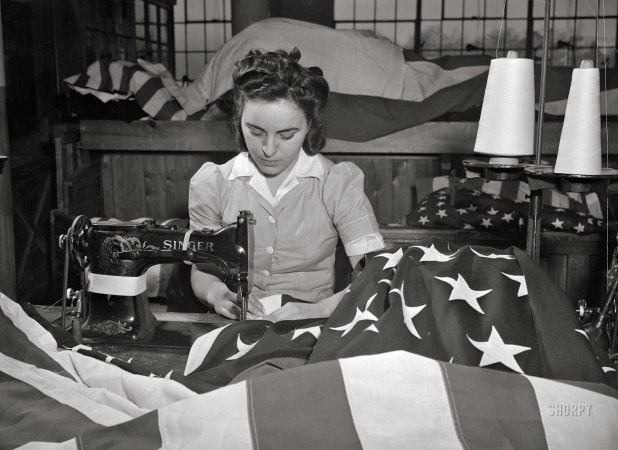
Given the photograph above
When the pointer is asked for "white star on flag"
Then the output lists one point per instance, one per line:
(422, 208)
(493, 211)
(472, 207)
(461, 291)
(442, 197)
(559, 209)
(492, 255)
(557, 223)
(409, 312)
(486, 223)
(431, 254)
(495, 197)
(590, 220)
(440, 204)
(580, 228)
(521, 221)
(607, 369)
(476, 193)
(393, 258)
(442, 213)
(243, 349)
(386, 280)
(496, 351)
(424, 220)
(579, 213)
(468, 227)
(373, 328)
(315, 331)
(462, 211)
(599, 222)
(364, 315)
(508, 217)
(523, 287)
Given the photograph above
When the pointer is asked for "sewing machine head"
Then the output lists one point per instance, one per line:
(115, 256)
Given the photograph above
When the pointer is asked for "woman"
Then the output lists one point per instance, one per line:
(302, 202)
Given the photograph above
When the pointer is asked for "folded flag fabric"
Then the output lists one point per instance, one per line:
(475, 210)
(433, 346)
(512, 190)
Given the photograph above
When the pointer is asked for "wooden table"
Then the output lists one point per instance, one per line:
(167, 349)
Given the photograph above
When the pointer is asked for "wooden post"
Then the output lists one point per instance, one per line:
(7, 238)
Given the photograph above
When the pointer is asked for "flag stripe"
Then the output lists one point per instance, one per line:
(303, 408)
(106, 78)
(567, 420)
(21, 348)
(494, 409)
(23, 405)
(219, 419)
(141, 433)
(408, 407)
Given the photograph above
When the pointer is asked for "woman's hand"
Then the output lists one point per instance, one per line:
(211, 291)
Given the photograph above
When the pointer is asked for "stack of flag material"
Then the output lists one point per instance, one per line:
(433, 346)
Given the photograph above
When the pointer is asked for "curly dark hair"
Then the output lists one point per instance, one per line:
(273, 76)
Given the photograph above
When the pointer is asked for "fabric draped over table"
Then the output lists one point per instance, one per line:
(434, 346)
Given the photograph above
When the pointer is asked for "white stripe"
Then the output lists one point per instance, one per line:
(219, 419)
(408, 408)
(559, 201)
(115, 72)
(200, 348)
(578, 430)
(115, 285)
(156, 102)
(439, 183)
(271, 303)
(492, 188)
(98, 405)
(68, 445)
(594, 206)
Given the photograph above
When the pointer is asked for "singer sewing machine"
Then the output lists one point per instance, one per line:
(114, 257)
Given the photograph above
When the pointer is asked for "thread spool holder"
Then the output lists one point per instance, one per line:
(497, 172)
(3, 159)
(544, 177)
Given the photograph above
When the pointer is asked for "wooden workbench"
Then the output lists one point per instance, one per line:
(161, 357)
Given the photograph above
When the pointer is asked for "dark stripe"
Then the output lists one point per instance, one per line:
(106, 79)
(168, 109)
(493, 409)
(304, 408)
(26, 415)
(125, 81)
(82, 80)
(147, 91)
(137, 434)
(15, 344)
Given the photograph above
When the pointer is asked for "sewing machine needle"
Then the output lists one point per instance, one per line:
(243, 305)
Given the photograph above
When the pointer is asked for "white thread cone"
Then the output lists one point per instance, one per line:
(579, 151)
(506, 126)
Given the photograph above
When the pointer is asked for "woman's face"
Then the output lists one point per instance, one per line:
(274, 133)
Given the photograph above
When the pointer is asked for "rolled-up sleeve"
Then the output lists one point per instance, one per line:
(204, 198)
(351, 211)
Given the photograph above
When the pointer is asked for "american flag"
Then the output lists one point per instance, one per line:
(475, 210)
(433, 346)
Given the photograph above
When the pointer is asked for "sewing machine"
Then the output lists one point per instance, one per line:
(114, 257)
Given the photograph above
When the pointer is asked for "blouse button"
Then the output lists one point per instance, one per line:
(271, 219)
(270, 250)
(266, 273)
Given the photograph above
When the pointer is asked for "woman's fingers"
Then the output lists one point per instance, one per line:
(255, 307)
(228, 309)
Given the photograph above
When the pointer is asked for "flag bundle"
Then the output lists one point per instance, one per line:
(433, 346)
(475, 210)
